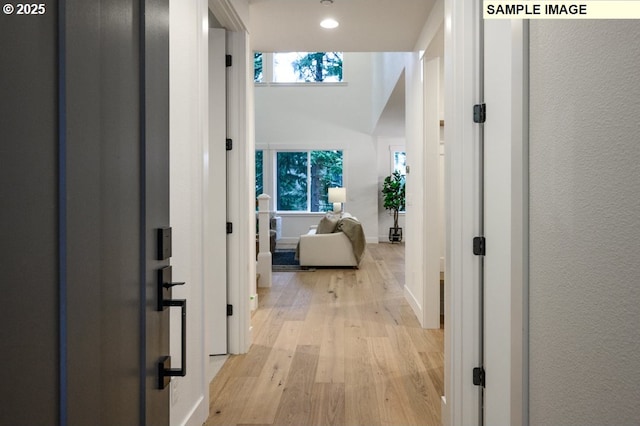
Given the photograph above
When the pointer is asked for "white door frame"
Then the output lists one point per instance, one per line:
(431, 183)
(506, 222)
(241, 268)
(506, 211)
(461, 402)
(214, 202)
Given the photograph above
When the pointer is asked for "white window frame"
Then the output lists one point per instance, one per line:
(268, 76)
(270, 157)
(392, 165)
(392, 154)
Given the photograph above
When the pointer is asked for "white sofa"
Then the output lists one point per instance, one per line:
(333, 249)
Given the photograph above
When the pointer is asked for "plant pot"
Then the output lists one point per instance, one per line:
(395, 235)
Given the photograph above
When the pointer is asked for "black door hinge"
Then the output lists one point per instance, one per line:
(478, 376)
(228, 60)
(479, 113)
(479, 246)
(229, 310)
(229, 144)
(229, 227)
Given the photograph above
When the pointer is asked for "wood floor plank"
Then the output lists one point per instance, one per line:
(390, 391)
(406, 351)
(252, 363)
(224, 409)
(327, 404)
(361, 403)
(227, 371)
(269, 386)
(434, 363)
(372, 322)
(335, 347)
(268, 334)
(295, 404)
(331, 363)
(299, 308)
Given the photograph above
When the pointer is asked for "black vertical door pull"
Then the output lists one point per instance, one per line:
(165, 372)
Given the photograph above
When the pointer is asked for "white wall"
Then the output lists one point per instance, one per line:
(187, 39)
(326, 117)
(386, 70)
(414, 284)
(419, 215)
(585, 223)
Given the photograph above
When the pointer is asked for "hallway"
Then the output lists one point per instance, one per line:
(335, 346)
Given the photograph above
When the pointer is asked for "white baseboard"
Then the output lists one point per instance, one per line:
(198, 415)
(215, 364)
(415, 305)
(444, 414)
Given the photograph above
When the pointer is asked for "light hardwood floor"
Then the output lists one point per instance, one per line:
(335, 347)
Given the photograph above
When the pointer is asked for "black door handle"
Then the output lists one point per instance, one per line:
(165, 372)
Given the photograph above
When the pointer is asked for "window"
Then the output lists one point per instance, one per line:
(400, 162)
(259, 172)
(303, 179)
(258, 75)
(297, 67)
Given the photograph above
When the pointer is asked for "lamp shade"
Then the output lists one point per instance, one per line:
(337, 195)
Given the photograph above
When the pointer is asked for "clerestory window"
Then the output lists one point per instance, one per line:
(298, 67)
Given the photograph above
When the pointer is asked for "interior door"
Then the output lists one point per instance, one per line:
(216, 197)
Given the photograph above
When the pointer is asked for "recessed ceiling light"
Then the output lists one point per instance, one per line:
(329, 23)
(326, 2)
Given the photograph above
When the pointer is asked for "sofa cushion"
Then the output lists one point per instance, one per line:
(327, 225)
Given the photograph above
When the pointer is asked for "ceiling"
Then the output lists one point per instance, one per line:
(365, 25)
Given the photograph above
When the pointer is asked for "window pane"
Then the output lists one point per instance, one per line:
(400, 162)
(326, 172)
(291, 181)
(259, 173)
(258, 76)
(300, 67)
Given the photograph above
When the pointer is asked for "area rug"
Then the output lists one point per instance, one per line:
(284, 261)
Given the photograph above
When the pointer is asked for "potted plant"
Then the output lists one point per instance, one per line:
(393, 193)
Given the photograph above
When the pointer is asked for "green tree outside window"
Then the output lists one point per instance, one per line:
(304, 178)
(317, 66)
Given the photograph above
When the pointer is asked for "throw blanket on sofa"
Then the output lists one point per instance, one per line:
(353, 230)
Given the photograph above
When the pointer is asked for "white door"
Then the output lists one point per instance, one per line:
(215, 238)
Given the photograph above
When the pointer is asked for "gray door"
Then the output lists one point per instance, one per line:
(29, 219)
(85, 114)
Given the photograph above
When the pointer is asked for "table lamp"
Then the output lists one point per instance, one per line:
(337, 196)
